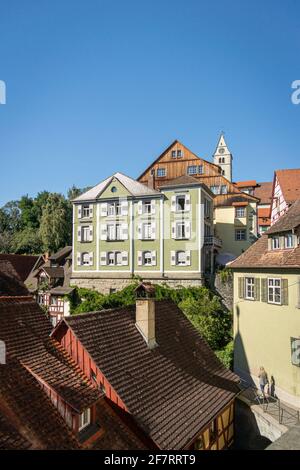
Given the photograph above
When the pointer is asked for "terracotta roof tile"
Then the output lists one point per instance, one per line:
(289, 181)
(264, 192)
(23, 264)
(10, 283)
(246, 184)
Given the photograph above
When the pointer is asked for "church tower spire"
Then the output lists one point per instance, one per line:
(223, 158)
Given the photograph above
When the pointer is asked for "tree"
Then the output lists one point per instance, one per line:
(27, 241)
(56, 223)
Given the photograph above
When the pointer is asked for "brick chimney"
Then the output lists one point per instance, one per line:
(145, 312)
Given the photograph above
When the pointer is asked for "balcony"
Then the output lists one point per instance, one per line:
(213, 241)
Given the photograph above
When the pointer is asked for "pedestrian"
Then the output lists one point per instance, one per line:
(263, 380)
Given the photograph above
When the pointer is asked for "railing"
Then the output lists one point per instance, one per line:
(212, 241)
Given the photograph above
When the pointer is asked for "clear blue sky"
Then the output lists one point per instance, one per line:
(95, 87)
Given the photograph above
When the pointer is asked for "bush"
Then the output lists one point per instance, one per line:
(226, 355)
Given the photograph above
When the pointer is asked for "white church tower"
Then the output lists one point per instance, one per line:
(223, 158)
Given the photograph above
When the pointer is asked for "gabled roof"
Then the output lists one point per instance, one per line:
(53, 272)
(133, 187)
(61, 254)
(184, 181)
(289, 181)
(288, 221)
(173, 390)
(246, 184)
(23, 264)
(264, 192)
(10, 283)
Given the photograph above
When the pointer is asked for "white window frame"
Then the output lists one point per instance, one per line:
(114, 208)
(273, 289)
(250, 286)
(273, 243)
(179, 236)
(82, 258)
(147, 255)
(85, 233)
(289, 236)
(115, 228)
(180, 196)
(173, 154)
(192, 170)
(240, 212)
(183, 263)
(147, 231)
(148, 205)
(84, 419)
(239, 238)
(161, 172)
(85, 211)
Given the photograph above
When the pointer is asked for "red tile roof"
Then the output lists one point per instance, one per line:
(173, 390)
(289, 181)
(246, 184)
(10, 283)
(23, 264)
(264, 192)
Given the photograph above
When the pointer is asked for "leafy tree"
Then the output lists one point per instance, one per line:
(74, 192)
(13, 216)
(5, 241)
(27, 241)
(28, 215)
(56, 223)
(226, 355)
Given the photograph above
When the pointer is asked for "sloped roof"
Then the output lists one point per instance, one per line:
(264, 192)
(245, 184)
(133, 187)
(289, 181)
(287, 221)
(173, 390)
(54, 272)
(62, 253)
(10, 283)
(23, 264)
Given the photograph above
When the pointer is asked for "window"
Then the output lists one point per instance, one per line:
(111, 258)
(213, 430)
(215, 189)
(54, 300)
(249, 287)
(147, 207)
(114, 232)
(53, 320)
(86, 210)
(84, 419)
(41, 299)
(85, 234)
(180, 203)
(112, 290)
(114, 258)
(224, 189)
(240, 234)
(207, 230)
(181, 258)
(192, 170)
(198, 444)
(240, 212)
(147, 258)
(179, 153)
(200, 170)
(180, 230)
(161, 172)
(274, 291)
(147, 231)
(221, 160)
(207, 208)
(275, 243)
(114, 208)
(173, 153)
(113, 189)
(295, 351)
(85, 260)
(288, 240)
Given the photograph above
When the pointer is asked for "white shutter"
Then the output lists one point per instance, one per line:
(91, 234)
(140, 207)
(124, 231)
(103, 259)
(125, 258)
(173, 203)
(153, 231)
(187, 229)
(188, 258)
(153, 258)
(91, 209)
(78, 259)
(104, 209)
(173, 258)
(103, 232)
(91, 258)
(79, 234)
(124, 207)
(173, 234)
(187, 202)
(139, 231)
(153, 206)
(79, 212)
(140, 258)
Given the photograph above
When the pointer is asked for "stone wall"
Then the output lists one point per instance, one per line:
(224, 289)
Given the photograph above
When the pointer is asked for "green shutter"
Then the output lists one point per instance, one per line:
(264, 290)
(284, 291)
(257, 289)
(241, 287)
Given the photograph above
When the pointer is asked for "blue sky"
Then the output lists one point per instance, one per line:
(95, 87)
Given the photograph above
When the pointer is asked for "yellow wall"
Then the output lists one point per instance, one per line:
(263, 333)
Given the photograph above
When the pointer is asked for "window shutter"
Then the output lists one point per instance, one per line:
(284, 292)
(91, 233)
(173, 229)
(140, 207)
(264, 290)
(91, 258)
(103, 232)
(103, 259)
(173, 258)
(124, 235)
(78, 259)
(91, 209)
(140, 258)
(125, 258)
(104, 209)
(188, 229)
(257, 289)
(79, 234)
(153, 256)
(241, 287)
(153, 231)
(188, 257)
(124, 207)
(79, 212)
(173, 204)
(139, 231)
(188, 202)
(153, 206)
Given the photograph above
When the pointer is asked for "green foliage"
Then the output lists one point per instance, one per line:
(26, 241)
(56, 228)
(225, 275)
(226, 355)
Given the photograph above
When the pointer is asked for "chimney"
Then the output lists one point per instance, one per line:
(145, 312)
(151, 179)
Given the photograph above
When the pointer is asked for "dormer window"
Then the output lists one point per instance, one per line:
(275, 243)
(288, 240)
(84, 419)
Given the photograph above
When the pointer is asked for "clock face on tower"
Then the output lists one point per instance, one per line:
(221, 150)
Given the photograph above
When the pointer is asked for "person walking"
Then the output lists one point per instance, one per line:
(263, 380)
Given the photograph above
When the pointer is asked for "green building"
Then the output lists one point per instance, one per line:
(122, 228)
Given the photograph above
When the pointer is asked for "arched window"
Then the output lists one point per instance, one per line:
(85, 259)
(111, 258)
(147, 258)
(181, 258)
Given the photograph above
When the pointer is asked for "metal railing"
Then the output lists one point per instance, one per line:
(211, 240)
